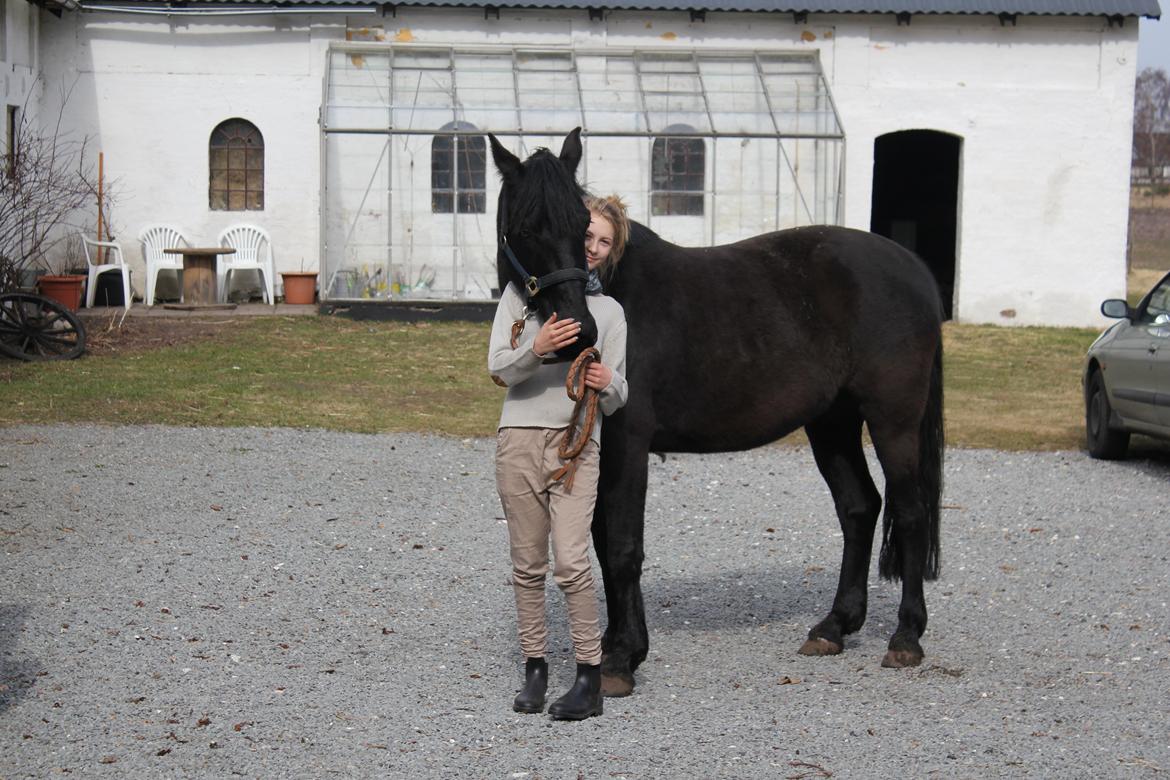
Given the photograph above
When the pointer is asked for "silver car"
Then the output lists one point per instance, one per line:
(1127, 374)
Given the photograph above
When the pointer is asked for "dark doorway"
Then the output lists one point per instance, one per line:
(915, 199)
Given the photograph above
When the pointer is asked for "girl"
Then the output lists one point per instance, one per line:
(535, 419)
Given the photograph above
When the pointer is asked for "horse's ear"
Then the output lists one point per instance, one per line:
(571, 150)
(508, 163)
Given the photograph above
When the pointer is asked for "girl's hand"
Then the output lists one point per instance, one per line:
(598, 376)
(555, 334)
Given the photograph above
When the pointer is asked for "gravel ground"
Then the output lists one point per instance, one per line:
(206, 603)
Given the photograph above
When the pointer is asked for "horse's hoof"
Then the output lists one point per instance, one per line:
(901, 659)
(820, 646)
(616, 685)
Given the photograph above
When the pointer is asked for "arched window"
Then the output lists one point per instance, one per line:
(458, 172)
(677, 167)
(236, 155)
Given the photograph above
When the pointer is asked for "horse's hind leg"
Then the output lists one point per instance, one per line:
(836, 445)
(906, 544)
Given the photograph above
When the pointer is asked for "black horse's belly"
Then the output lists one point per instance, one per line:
(731, 407)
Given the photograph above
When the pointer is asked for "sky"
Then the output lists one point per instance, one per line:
(1154, 41)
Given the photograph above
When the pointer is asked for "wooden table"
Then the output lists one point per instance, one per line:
(199, 278)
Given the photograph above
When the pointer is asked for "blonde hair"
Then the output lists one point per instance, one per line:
(613, 210)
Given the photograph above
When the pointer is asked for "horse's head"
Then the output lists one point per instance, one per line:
(540, 227)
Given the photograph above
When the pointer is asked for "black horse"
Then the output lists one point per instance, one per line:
(735, 346)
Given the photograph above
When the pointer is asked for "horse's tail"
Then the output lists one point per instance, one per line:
(931, 445)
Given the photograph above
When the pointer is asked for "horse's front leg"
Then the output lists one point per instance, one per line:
(618, 525)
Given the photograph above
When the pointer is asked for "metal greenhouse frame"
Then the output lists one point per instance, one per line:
(770, 151)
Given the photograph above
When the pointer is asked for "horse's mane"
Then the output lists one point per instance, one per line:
(548, 192)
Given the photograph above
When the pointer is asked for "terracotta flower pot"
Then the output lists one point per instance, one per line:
(63, 288)
(299, 286)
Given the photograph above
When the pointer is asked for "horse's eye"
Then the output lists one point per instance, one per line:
(525, 233)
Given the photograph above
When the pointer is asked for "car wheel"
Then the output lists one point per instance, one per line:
(1103, 442)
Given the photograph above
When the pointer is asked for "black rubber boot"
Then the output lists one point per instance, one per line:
(531, 696)
(583, 699)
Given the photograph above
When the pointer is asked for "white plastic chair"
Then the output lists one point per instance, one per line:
(114, 262)
(253, 252)
(155, 239)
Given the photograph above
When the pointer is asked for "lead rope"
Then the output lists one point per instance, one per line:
(517, 329)
(574, 441)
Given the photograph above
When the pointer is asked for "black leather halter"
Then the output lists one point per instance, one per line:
(534, 284)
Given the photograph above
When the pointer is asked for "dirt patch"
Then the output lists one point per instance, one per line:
(105, 336)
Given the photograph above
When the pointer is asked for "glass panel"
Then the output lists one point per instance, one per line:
(255, 201)
(677, 168)
(236, 159)
(255, 180)
(1159, 303)
(663, 204)
(484, 81)
(441, 179)
(236, 201)
(672, 92)
(651, 121)
(735, 96)
(542, 61)
(610, 94)
(545, 91)
(218, 200)
(472, 162)
(472, 203)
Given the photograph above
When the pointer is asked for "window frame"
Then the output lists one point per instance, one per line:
(466, 190)
(235, 150)
(675, 192)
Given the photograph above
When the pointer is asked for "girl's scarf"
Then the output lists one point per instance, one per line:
(593, 286)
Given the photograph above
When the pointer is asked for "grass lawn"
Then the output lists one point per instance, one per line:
(1008, 388)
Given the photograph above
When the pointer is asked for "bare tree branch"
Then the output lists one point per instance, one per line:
(48, 192)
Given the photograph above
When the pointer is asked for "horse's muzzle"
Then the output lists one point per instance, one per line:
(586, 338)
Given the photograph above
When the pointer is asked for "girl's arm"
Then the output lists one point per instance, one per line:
(613, 352)
(512, 366)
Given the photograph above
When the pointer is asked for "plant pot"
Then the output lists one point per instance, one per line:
(63, 288)
(299, 286)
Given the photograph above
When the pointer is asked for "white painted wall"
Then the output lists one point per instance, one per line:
(18, 57)
(1044, 109)
(1045, 113)
(151, 91)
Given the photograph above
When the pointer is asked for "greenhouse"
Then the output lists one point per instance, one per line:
(706, 147)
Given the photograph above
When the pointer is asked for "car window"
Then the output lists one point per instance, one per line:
(1158, 308)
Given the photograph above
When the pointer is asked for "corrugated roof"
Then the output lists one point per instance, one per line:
(1022, 7)
(1147, 8)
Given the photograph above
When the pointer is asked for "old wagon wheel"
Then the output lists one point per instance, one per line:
(33, 327)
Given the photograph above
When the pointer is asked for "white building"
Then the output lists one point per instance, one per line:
(993, 137)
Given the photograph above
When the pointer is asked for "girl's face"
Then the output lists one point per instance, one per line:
(598, 240)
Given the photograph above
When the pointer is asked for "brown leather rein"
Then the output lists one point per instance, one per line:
(583, 397)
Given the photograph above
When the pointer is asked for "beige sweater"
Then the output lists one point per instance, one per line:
(536, 390)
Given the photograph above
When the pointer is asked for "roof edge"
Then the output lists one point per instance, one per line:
(1109, 8)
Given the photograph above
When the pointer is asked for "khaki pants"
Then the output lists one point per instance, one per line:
(537, 510)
